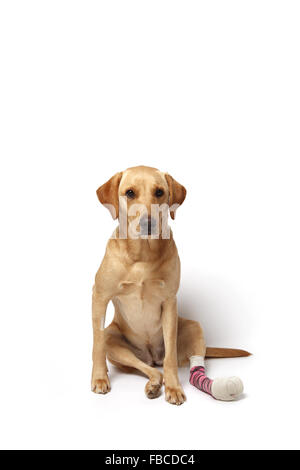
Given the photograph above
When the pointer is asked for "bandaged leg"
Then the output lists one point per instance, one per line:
(222, 388)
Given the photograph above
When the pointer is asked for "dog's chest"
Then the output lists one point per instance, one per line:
(139, 298)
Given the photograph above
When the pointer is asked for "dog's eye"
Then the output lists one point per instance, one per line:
(130, 194)
(159, 192)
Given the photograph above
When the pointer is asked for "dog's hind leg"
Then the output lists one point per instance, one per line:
(191, 349)
(121, 353)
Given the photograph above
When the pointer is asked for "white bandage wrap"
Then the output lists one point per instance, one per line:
(227, 388)
(222, 388)
(196, 361)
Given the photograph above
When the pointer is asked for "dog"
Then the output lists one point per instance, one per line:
(140, 274)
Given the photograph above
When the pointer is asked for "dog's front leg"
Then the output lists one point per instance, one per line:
(100, 381)
(173, 390)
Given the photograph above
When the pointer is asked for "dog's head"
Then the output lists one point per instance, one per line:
(140, 197)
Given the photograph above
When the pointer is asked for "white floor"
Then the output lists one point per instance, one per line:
(52, 407)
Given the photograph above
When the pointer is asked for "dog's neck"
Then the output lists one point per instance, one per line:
(143, 250)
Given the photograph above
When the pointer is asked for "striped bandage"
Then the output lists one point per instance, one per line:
(222, 388)
(200, 380)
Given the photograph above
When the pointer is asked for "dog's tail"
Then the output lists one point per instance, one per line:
(226, 352)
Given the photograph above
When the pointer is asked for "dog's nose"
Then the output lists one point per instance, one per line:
(148, 225)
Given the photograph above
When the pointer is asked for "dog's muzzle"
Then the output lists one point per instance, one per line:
(148, 226)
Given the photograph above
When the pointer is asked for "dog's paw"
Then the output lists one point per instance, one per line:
(175, 395)
(101, 385)
(153, 387)
(227, 388)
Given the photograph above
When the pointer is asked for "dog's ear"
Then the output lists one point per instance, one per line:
(177, 194)
(108, 195)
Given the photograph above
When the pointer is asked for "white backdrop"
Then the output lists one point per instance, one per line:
(208, 91)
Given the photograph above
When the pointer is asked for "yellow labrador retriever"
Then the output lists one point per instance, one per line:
(140, 274)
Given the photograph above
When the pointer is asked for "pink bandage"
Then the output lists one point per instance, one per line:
(200, 380)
